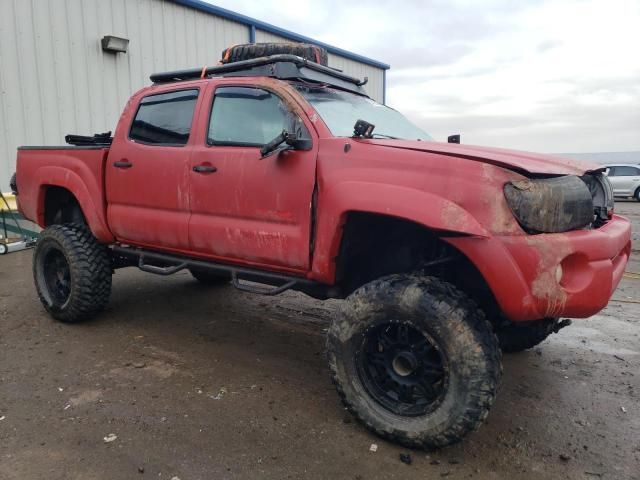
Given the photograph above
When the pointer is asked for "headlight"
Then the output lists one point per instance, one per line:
(550, 205)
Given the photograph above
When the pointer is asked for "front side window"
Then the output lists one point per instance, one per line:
(246, 116)
(165, 118)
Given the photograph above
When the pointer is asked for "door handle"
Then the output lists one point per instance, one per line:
(204, 169)
(124, 163)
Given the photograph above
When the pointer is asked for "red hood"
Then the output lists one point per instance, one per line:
(511, 159)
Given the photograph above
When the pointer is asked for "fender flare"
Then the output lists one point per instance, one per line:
(52, 176)
(424, 208)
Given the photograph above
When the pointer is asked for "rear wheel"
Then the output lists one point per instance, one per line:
(637, 194)
(415, 360)
(72, 272)
(13, 184)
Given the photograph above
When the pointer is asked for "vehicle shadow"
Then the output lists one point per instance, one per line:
(236, 328)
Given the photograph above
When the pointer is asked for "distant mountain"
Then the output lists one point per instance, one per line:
(605, 157)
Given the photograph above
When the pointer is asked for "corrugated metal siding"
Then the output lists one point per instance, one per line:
(375, 86)
(55, 79)
(262, 36)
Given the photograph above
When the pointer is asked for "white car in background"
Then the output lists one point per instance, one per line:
(625, 179)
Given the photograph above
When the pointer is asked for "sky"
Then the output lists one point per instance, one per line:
(549, 76)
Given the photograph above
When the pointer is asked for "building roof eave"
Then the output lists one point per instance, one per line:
(267, 27)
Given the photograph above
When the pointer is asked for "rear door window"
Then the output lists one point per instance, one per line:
(246, 116)
(165, 118)
(626, 172)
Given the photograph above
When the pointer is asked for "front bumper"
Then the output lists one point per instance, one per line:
(570, 274)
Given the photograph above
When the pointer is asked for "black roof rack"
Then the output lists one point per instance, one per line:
(284, 67)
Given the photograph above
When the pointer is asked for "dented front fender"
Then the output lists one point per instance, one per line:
(452, 196)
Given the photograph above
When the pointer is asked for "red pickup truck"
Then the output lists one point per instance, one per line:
(278, 173)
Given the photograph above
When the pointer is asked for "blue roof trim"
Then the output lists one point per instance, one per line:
(384, 87)
(267, 27)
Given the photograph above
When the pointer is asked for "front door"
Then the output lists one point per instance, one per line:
(147, 173)
(245, 209)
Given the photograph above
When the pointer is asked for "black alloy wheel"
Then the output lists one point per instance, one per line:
(402, 368)
(414, 359)
(72, 272)
(57, 275)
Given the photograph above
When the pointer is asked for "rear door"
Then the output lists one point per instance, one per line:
(147, 173)
(624, 180)
(245, 209)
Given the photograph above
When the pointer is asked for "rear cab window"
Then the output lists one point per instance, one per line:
(165, 118)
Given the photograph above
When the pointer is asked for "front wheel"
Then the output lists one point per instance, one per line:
(637, 195)
(72, 272)
(415, 360)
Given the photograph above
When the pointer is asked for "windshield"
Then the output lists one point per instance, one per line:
(340, 110)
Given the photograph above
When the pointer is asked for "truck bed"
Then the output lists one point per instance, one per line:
(78, 169)
(62, 147)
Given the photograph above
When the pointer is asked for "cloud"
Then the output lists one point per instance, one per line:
(425, 56)
(547, 75)
(547, 45)
(549, 130)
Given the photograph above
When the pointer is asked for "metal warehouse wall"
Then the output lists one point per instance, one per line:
(375, 85)
(55, 79)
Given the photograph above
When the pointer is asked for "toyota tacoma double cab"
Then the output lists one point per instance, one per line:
(272, 171)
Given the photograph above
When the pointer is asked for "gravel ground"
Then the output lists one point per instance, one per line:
(213, 383)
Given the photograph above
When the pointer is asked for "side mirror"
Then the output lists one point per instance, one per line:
(285, 141)
(295, 136)
(453, 138)
(275, 145)
(299, 137)
(299, 143)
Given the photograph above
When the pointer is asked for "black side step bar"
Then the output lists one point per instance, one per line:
(145, 267)
(148, 261)
(263, 291)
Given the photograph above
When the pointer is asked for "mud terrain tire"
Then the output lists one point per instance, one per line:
(248, 51)
(209, 278)
(457, 330)
(13, 184)
(72, 272)
(517, 337)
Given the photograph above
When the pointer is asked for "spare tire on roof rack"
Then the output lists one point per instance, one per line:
(248, 51)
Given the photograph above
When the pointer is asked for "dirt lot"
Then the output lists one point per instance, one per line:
(213, 383)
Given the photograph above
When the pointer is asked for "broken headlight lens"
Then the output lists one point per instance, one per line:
(550, 205)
